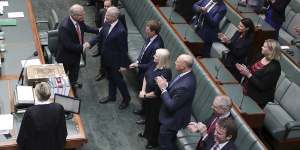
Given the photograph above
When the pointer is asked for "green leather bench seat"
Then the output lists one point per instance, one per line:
(187, 32)
(284, 112)
(172, 15)
(206, 89)
(235, 92)
(218, 70)
(291, 70)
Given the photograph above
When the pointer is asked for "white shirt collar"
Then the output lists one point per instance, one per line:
(37, 102)
(182, 74)
(73, 21)
(225, 115)
(153, 38)
(112, 25)
(222, 145)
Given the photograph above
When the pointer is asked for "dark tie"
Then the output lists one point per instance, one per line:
(143, 50)
(106, 30)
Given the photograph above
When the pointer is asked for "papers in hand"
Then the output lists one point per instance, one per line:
(24, 95)
(7, 122)
(15, 14)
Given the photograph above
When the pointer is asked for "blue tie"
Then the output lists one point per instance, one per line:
(174, 81)
(143, 50)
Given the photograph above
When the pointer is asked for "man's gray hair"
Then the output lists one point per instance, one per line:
(114, 11)
(75, 9)
(42, 91)
(224, 102)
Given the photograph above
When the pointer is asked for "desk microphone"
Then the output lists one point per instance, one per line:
(258, 25)
(241, 104)
(21, 76)
(185, 33)
(170, 17)
(217, 69)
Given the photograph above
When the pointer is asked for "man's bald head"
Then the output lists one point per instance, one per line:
(184, 62)
(77, 12)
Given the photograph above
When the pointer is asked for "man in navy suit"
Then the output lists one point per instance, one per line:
(113, 40)
(221, 106)
(70, 42)
(153, 42)
(177, 97)
(223, 137)
(209, 13)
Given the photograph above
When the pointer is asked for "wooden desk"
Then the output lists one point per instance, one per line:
(21, 41)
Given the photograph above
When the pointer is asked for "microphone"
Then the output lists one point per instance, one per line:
(170, 17)
(185, 33)
(21, 76)
(258, 25)
(243, 96)
(217, 69)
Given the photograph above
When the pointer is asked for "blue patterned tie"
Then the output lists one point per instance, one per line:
(143, 50)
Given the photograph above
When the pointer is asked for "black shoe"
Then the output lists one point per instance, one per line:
(124, 105)
(105, 100)
(89, 4)
(140, 122)
(100, 76)
(76, 85)
(149, 146)
(138, 112)
(141, 135)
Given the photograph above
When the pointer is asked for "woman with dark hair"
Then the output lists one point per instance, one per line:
(261, 78)
(239, 45)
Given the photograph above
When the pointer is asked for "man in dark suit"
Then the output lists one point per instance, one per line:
(223, 137)
(177, 97)
(70, 42)
(153, 42)
(113, 40)
(99, 20)
(43, 126)
(209, 13)
(221, 109)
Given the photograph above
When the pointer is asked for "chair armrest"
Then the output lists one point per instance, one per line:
(47, 55)
(291, 126)
(295, 41)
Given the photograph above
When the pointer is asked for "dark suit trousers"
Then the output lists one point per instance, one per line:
(167, 139)
(115, 80)
(72, 70)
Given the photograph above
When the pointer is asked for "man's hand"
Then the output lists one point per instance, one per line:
(142, 94)
(192, 127)
(161, 82)
(133, 65)
(122, 69)
(86, 45)
(202, 128)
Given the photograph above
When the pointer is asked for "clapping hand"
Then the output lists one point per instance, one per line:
(223, 38)
(243, 70)
(161, 82)
(133, 65)
(192, 127)
(142, 94)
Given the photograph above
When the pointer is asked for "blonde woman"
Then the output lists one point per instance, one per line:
(262, 76)
(150, 93)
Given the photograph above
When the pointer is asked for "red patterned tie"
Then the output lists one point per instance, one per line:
(212, 126)
(78, 33)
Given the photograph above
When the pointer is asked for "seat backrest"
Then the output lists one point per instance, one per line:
(291, 70)
(282, 85)
(290, 101)
(231, 29)
(53, 20)
(295, 22)
(246, 138)
(53, 41)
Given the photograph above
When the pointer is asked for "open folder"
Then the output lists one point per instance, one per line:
(6, 124)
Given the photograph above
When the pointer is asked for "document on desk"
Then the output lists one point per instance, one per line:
(30, 62)
(15, 14)
(3, 3)
(24, 95)
(7, 123)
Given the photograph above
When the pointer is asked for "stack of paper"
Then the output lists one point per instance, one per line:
(24, 95)
(7, 123)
